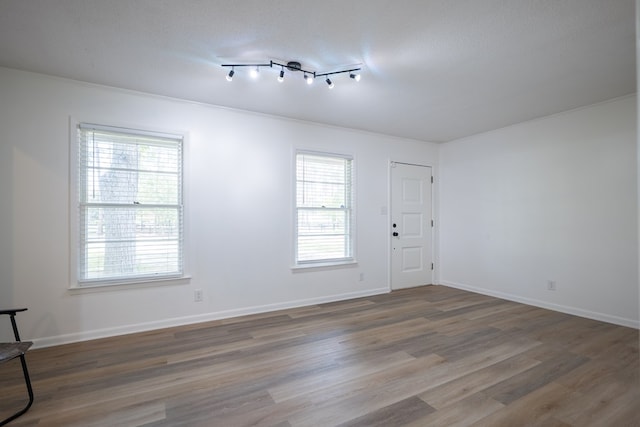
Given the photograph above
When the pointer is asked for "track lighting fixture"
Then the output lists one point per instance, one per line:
(309, 76)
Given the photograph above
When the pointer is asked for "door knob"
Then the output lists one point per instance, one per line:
(395, 234)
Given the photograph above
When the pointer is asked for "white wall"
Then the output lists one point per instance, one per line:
(551, 199)
(239, 178)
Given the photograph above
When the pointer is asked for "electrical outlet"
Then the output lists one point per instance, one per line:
(197, 295)
(551, 285)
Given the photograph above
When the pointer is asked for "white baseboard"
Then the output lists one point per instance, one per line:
(199, 318)
(631, 323)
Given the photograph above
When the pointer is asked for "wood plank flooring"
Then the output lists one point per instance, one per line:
(429, 356)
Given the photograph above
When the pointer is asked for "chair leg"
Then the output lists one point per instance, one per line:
(27, 381)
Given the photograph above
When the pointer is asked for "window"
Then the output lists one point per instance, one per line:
(130, 212)
(324, 209)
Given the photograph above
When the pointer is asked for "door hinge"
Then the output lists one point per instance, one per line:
(432, 266)
(432, 179)
(432, 223)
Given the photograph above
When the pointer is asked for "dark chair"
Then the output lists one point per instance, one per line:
(11, 350)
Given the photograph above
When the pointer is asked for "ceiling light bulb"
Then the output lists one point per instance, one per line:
(308, 79)
(230, 75)
(330, 83)
(281, 76)
(254, 73)
(355, 77)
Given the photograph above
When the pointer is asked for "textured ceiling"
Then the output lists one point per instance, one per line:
(433, 70)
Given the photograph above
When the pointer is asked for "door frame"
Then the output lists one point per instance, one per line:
(390, 212)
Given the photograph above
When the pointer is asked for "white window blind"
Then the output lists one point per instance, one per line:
(324, 211)
(130, 204)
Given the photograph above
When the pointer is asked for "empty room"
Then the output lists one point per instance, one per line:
(295, 213)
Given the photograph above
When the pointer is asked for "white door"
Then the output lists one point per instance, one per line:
(411, 226)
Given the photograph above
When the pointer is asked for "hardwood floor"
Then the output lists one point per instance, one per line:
(430, 356)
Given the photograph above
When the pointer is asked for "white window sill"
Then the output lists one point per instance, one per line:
(105, 286)
(324, 265)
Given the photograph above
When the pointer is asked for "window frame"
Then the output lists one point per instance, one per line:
(351, 209)
(76, 282)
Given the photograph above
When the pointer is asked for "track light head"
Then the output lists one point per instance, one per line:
(281, 76)
(254, 72)
(308, 78)
(355, 76)
(330, 83)
(230, 75)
